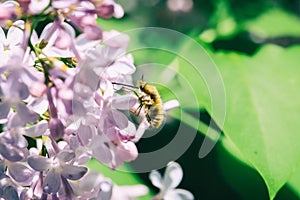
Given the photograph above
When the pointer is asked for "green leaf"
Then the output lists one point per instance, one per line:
(274, 23)
(294, 182)
(263, 110)
(222, 19)
(241, 177)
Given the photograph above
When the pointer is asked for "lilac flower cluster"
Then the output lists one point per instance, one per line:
(58, 104)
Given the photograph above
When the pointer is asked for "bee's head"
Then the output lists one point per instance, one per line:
(141, 84)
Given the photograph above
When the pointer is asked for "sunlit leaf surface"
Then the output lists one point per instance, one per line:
(263, 110)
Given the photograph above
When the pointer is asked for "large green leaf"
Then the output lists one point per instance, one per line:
(263, 110)
(274, 23)
(294, 182)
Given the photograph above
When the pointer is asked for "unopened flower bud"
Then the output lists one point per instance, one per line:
(5, 14)
(127, 151)
(105, 11)
(56, 128)
(38, 89)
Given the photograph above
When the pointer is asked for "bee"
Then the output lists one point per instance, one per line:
(150, 101)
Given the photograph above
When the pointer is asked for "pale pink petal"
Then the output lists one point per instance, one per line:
(2, 36)
(36, 6)
(128, 192)
(37, 89)
(63, 40)
(93, 32)
(49, 33)
(15, 35)
(4, 110)
(5, 13)
(118, 11)
(172, 104)
(20, 173)
(124, 102)
(85, 134)
(100, 151)
(123, 66)
(39, 105)
(173, 175)
(119, 119)
(178, 194)
(126, 151)
(156, 179)
(37, 129)
(105, 190)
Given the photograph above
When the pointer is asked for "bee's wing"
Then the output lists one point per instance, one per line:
(156, 115)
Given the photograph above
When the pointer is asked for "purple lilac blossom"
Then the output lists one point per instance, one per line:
(56, 89)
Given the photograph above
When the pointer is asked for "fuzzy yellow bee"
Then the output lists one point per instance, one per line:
(150, 101)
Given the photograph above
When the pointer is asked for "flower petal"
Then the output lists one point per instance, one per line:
(15, 138)
(85, 134)
(65, 156)
(130, 191)
(117, 41)
(2, 166)
(172, 104)
(118, 11)
(52, 182)
(39, 105)
(11, 153)
(100, 151)
(128, 133)
(25, 114)
(20, 172)
(4, 109)
(2, 35)
(49, 34)
(126, 151)
(102, 154)
(90, 181)
(173, 175)
(119, 119)
(36, 6)
(15, 33)
(63, 40)
(10, 193)
(124, 102)
(73, 172)
(122, 67)
(83, 43)
(19, 140)
(178, 194)
(37, 130)
(141, 130)
(105, 190)
(155, 179)
(38, 163)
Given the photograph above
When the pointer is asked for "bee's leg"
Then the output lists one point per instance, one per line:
(138, 110)
(148, 118)
(136, 94)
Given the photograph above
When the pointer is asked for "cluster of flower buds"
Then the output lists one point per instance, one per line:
(58, 104)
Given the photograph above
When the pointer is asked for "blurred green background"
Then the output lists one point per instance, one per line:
(229, 30)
